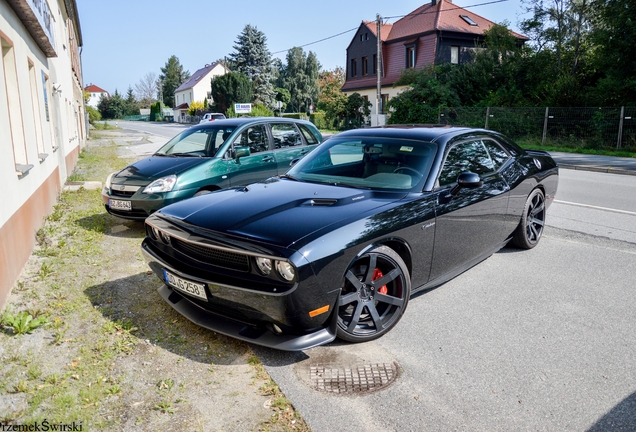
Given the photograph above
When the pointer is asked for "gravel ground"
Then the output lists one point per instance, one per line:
(111, 355)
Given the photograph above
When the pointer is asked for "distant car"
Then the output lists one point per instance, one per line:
(205, 158)
(211, 117)
(336, 246)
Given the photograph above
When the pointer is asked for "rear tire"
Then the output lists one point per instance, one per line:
(374, 296)
(530, 229)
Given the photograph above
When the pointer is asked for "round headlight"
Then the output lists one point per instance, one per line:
(285, 269)
(155, 233)
(264, 265)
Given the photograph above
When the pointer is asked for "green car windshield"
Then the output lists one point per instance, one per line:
(368, 163)
(195, 142)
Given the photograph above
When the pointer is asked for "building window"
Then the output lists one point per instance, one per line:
(411, 54)
(14, 107)
(454, 55)
(410, 57)
(365, 66)
(35, 105)
(468, 20)
(383, 107)
(354, 67)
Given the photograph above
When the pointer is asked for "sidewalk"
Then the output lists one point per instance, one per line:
(584, 162)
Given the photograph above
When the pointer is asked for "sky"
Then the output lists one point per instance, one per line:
(123, 40)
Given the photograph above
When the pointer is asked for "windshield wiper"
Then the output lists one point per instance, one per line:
(348, 185)
(287, 176)
(183, 154)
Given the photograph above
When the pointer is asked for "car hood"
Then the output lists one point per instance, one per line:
(154, 167)
(277, 211)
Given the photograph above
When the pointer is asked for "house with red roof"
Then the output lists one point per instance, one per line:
(436, 32)
(96, 94)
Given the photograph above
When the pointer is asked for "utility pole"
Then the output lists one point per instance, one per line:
(378, 71)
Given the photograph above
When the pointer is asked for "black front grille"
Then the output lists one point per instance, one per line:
(125, 194)
(212, 256)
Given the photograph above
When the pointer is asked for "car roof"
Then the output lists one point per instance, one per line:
(423, 132)
(240, 121)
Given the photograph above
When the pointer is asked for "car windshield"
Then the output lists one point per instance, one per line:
(369, 163)
(195, 142)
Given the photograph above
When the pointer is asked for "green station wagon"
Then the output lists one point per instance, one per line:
(205, 158)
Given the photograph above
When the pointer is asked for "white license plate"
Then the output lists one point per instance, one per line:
(120, 205)
(185, 286)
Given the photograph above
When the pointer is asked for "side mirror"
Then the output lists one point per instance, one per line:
(241, 151)
(468, 180)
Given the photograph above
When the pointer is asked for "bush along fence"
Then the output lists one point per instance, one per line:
(586, 127)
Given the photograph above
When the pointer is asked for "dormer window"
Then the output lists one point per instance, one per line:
(468, 20)
(411, 54)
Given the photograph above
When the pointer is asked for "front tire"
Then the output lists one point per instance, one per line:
(374, 296)
(530, 229)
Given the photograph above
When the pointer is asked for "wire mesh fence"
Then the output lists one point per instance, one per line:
(586, 127)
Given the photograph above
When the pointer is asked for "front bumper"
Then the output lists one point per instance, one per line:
(259, 331)
(143, 205)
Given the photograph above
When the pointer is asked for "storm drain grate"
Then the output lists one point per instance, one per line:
(356, 379)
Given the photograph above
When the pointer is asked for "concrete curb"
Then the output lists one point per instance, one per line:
(609, 170)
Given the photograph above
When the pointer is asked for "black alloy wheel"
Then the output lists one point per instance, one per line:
(374, 297)
(530, 228)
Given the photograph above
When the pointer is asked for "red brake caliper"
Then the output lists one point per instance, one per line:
(377, 274)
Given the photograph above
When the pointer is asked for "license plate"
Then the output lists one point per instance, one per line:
(185, 286)
(120, 205)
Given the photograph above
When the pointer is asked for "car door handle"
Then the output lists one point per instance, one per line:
(268, 159)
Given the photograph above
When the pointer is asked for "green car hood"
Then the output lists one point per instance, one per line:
(154, 167)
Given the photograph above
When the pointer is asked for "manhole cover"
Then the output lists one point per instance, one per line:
(356, 379)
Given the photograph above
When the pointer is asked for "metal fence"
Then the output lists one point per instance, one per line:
(586, 127)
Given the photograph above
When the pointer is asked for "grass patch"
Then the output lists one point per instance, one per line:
(96, 336)
(104, 126)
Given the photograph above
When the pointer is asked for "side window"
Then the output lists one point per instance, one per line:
(218, 140)
(285, 135)
(469, 156)
(309, 137)
(497, 154)
(253, 137)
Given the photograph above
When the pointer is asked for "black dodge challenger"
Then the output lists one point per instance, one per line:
(335, 247)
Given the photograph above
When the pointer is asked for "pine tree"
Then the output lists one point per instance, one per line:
(252, 59)
(172, 76)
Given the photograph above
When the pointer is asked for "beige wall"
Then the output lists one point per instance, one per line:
(42, 127)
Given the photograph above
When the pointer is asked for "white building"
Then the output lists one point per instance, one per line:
(96, 94)
(197, 88)
(42, 120)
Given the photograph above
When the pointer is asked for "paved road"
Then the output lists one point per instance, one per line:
(525, 341)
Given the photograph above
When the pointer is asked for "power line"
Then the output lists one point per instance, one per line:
(392, 17)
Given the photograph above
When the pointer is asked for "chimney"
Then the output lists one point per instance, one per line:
(433, 2)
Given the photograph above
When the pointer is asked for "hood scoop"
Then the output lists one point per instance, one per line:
(323, 202)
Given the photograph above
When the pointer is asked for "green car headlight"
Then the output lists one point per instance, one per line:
(164, 184)
(285, 270)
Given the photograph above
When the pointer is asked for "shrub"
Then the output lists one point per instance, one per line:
(319, 119)
(93, 114)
